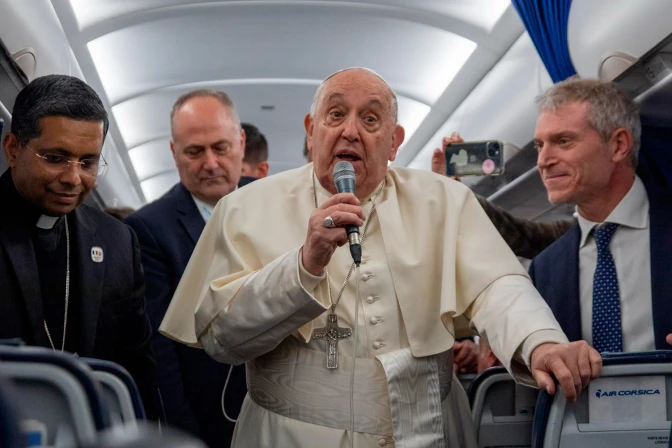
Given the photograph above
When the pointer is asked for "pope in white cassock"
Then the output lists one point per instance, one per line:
(272, 284)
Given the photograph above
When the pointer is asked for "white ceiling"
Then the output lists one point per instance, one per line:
(140, 55)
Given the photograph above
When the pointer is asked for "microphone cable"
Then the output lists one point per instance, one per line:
(226, 384)
(354, 362)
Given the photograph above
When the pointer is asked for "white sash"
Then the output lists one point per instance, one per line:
(396, 395)
(414, 387)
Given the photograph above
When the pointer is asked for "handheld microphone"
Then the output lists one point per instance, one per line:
(344, 179)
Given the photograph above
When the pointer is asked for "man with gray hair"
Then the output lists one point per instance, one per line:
(208, 145)
(607, 280)
(340, 353)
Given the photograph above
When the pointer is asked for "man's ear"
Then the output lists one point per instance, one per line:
(621, 140)
(262, 169)
(397, 139)
(309, 125)
(172, 149)
(243, 139)
(11, 146)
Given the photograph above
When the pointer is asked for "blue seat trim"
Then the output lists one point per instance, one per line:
(68, 363)
(541, 411)
(654, 357)
(121, 373)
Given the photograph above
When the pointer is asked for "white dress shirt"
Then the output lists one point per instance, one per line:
(204, 208)
(630, 248)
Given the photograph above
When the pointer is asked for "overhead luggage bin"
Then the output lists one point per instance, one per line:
(630, 405)
(502, 410)
(607, 36)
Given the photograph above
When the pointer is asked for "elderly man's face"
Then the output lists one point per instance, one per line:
(208, 148)
(354, 122)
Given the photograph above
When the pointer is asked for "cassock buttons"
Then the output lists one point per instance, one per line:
(372, 299)
(378, 344)
(376, 320)
(366, 277)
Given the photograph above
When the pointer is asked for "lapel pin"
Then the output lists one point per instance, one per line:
(97, 254)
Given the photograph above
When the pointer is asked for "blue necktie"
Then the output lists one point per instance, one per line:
(607, 334)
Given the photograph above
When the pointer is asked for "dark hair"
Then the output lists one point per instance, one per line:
(205, 93)
(256, 147)
(55, 95)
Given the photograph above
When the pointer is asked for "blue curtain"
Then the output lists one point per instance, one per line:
(546, 23)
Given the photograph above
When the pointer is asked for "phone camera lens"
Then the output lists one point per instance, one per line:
(493, 150)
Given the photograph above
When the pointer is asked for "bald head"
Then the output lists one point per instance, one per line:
(363, 73)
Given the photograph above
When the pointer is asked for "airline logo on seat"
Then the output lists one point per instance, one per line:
(625, 393)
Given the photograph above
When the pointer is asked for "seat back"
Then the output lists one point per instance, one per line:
(466, 379)
(502, 410)
(120, 392)
(10, 436)
(56, 392)
(629, 405)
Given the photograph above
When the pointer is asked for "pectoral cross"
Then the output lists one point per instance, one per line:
(332, 333)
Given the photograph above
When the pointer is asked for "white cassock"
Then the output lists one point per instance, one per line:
(430, 255)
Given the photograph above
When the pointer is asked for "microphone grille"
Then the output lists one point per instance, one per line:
(343, 169)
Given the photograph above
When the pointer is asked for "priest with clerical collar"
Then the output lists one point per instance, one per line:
(70, 275)
(336, 357)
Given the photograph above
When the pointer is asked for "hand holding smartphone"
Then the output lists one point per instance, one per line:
(481, 158)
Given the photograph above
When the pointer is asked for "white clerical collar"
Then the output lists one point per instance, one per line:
(632, 211)
(204, 208)
(47, 222)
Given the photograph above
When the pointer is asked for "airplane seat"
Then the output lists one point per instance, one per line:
(146, 437)
(120, 392)
(10, 436)
(502, 410)
(466, 379)
(58, 396)
(629, 405)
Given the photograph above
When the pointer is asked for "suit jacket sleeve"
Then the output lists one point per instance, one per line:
(159, 293)
(133, 345)
(525, 238)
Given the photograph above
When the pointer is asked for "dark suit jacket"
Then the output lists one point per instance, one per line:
(113, 324)
(191, 382)
(555, 273)
(525, 238)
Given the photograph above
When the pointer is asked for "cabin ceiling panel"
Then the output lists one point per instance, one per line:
(201, 47)
(481, 13)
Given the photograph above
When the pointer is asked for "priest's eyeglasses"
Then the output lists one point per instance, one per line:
(58, 163)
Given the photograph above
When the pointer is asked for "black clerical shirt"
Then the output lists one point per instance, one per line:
(49, 246)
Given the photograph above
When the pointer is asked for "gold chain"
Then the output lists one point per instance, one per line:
(67, 290)
(352, 266)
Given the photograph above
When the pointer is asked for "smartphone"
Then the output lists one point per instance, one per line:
(484, 158)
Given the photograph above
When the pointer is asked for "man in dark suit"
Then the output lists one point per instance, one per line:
(608, 279)
(70, 276)
(208, 147)
(255, 162)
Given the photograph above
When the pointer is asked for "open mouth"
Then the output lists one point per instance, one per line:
(348, 156)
